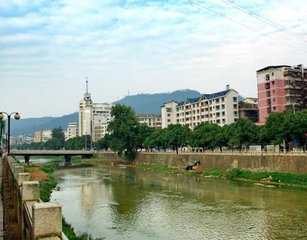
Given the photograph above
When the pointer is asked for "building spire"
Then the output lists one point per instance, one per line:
(86, 86)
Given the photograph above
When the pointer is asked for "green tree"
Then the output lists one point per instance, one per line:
(123, 131)
(78, 143)
(279, 127)
(177, 136)
(103, 143)
(207, 136)
(143, 133)
(57, 140)
(156, 140)
(242, 132)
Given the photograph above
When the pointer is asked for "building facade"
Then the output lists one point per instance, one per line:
(42, 136)
(281, 88)
(93, 117)
(72, 130)
(151, 120)
(220, 108)
(168, 113)
(248, 108)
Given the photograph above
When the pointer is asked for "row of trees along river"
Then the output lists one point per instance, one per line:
(127, 135)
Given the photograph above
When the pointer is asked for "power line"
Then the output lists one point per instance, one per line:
(265, 20)
(240, 23)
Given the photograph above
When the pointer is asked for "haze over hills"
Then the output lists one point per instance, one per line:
(28, 126)
(151, 103)
(141, 103)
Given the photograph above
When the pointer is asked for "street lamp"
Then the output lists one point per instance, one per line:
(17, 117)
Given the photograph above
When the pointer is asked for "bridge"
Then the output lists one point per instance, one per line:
(66, 153)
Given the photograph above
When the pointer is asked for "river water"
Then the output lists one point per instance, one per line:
(125, 203)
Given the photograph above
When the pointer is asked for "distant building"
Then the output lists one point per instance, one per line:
(151, 120)
(93, 117)
(281, 88)
(220, 108)
(168, 113)
(21, 139)
(248, 108)
(42, 136)
(72, 130)
(38, 137)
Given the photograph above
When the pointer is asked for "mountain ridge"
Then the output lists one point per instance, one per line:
(142, 103)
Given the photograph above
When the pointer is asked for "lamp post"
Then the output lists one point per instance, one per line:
(17, 117)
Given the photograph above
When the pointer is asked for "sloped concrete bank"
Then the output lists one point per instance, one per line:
(290, 163)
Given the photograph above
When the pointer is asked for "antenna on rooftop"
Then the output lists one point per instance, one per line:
(86, 85)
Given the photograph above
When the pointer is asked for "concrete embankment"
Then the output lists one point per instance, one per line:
(290, 163)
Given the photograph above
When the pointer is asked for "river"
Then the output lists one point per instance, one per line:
(126, 203)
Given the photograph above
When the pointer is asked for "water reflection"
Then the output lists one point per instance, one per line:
(132, 204)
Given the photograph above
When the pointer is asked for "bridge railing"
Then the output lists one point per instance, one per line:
(35, 220)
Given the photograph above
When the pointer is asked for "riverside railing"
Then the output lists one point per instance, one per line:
(35, 220)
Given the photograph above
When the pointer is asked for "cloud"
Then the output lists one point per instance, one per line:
(143, 46)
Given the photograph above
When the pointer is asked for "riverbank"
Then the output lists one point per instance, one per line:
(44, 173)
(266, 179)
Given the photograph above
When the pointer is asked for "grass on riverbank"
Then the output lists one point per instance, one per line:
(156, 167)
(160, 167)
(287, 179)
(274, 178)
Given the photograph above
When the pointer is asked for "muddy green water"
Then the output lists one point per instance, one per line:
(125, 203)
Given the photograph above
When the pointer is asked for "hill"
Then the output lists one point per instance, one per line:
(28, 126)
(151, 103)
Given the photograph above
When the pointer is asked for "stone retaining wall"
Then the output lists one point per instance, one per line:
(290, 163)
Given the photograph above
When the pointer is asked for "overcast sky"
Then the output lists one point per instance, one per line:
(49, 47)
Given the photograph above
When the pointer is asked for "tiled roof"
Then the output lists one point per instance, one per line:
(217, 94)
(205, 96)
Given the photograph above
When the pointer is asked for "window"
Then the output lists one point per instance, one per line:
(234, 99)
(272, 74)
(267, 77)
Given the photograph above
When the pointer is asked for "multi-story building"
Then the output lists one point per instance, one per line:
(72, 130)
(168, 113)
(93, 117)
(280, 88)
(151, 120)
(42, 136)
(220, 108)
(248, 108)
(21, 139)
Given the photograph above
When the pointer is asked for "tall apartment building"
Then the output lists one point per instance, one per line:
(168, 113)
(220, 108)
(93, 117)
(280, 88)
(72, 130)
(151, 120)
